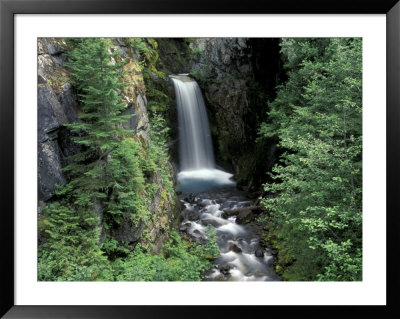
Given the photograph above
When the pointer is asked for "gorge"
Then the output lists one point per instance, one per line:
(199, 159)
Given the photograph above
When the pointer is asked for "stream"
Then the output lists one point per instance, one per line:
(241, 256)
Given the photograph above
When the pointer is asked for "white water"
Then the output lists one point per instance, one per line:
(195, 146)
(196, 155)
(199, 180)
(237, 243)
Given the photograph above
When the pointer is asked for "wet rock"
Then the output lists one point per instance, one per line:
(224, 269)
(185, 226)
(205, 202)
(274, 252)
(197, 232)
(220, 277)
(236, 249)
(190, 198)
(191, 214)
(259, 252)
(211, 222)
(244, 214)
(202, 240)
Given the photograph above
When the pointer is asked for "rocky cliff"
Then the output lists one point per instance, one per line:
(238, 77)
(58, 105)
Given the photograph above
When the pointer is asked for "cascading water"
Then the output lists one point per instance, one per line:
(210, 196)
(195, 144)
(196, 156)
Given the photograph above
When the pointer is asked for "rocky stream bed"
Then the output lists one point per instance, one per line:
(228, 210)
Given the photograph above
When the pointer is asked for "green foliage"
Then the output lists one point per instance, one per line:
(316, 117)
(125, 185)
(196, 53)
(105, 178)
(157, 158)
(180, 262)
(71, 251)
(108, 169)
(174, 54)
(113, 249)
(203, 74)
(139, 45)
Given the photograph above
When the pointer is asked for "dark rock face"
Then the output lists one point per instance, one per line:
(238, 77)
(54, 110)
(226, 67)
(50, 113)
(51, 116)
(127, 232)
(49, 169)
(68, 102)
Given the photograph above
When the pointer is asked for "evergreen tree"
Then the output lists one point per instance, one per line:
(316, 119)
(107, 169)
(97, 74)
(71, 251)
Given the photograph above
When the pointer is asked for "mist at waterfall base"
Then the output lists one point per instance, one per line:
(200, 180)
(198, 172)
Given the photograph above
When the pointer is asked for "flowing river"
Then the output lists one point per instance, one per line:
(241, 256)
(210, 195)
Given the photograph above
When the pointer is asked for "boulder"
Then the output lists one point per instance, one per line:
(224, 269)
(190, 198)
(236, 249)
(244, 214)
(197, 233)
(220, 277)
(210, 221)
(191, 214)
(185, 226)
(259, 252)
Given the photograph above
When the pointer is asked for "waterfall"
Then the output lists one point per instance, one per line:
(196, 156)
(195, 146)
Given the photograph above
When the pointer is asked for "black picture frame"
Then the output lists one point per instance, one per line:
(8, 8)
